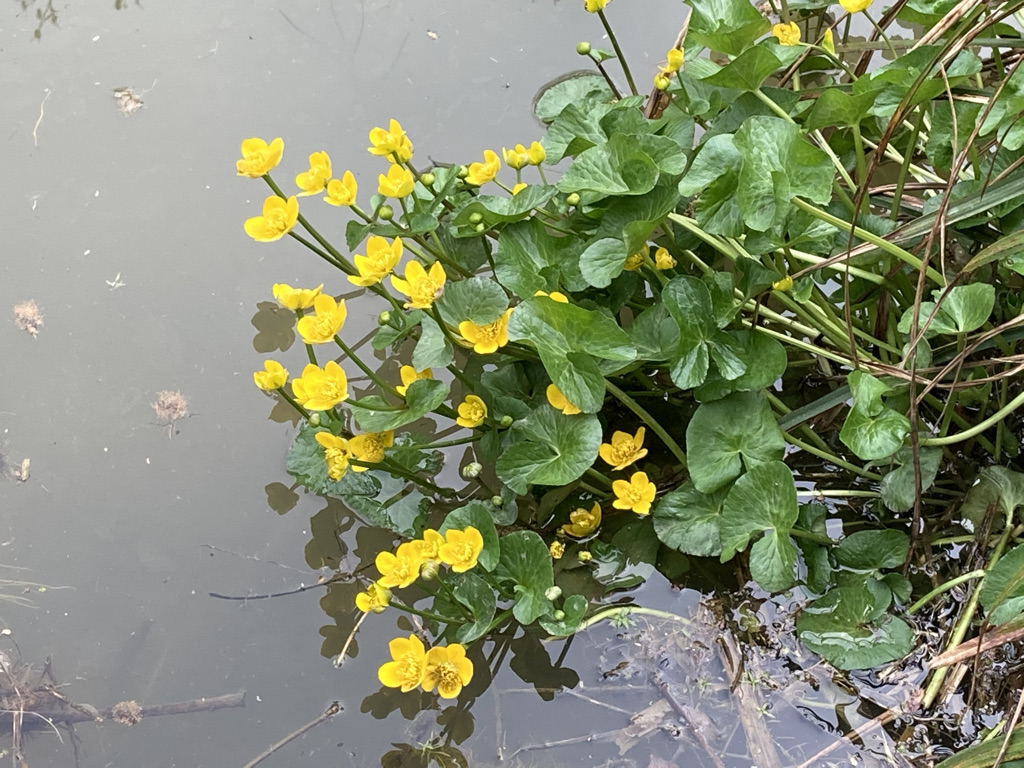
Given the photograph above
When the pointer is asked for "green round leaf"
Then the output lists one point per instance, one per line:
(689, 521)
(557, 449)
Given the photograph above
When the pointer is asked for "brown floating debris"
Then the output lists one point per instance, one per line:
(28, 317)
(128, 101)
(169, 406)
(21, 473)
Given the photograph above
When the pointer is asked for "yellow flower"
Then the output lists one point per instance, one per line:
(486, 339)
(376, 598)
(342, 192)
(296, 298)
(634, 262)
(673, 61)
(448, 670)
(278, 219)
(315, 179)
(336, 454)
(561, 298)
(828, 42)
(273, 377)
(516, 157)
(661, 82)
(519, 187)
(461, 548)
(380, 260)
(593, 6)
(409, 375)
(855, 6)
(560, 401)
(422, 287)
(637, 494)
(321, 389)
(787, 34)
(472, 412)
(398, 183)
(557, 549)
(583, 523)
(401, 568)
(663, 259)
(322, 327)
(408, 665)
(536, 153)
(430, 545)
(392, 142)
(259, 158)
(481, 173)
(624, 449)
(370, 447)
(785, 284)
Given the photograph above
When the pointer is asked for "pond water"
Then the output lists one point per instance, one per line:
(126, 230)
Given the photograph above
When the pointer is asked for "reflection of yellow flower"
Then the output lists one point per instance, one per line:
(342, 192)
(399, 569)
(315, 179)
(560, 401)
(787, 34)
(582, 522)
(637, 494)
(624, 449)
(321, 389)
(421, 286)
(593, 6)
(391, 142)
(448, 670)
(380, 259)
(557, 549)
(634, 262)
(472, 412)
(663, 259)
(296, 298)
(322, 327)
(409, 375)
(259, 158)
(481, 173)
(561, 298)
(408, 665)
(855, 6)
(336, 454)
(486, 339)
(278, 219)
(429, 545)
(398, 183)
(461, 548)
(370, 447)
(274, 376)
(376, 598)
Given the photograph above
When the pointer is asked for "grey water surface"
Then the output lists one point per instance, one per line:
(126, 230)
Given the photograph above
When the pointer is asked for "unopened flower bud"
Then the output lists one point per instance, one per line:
(585, 556)
(472, 470)
(384, 318)
(428, 570)
(661, 82)
(557, 549)
(314, 419)
(497, 501)
(573, 199)
(553, 593)
(462, 171)
(481, 228)
(506, 420)
(386, 213)
(476, 217)
(583, 49)
(427, 179)
(558, 615)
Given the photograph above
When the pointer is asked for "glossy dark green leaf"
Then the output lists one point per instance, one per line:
(526, 562)
(874, 437)
(422, 397)
(616, 167)
(747, 71)
(478, 596)
(898, 488)
(477, 299)
(690, 521)
(873, 550)
(726, 26)
(557, 449)
(603, 261)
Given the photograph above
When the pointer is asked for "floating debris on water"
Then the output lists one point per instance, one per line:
(169, 407)
(128, 101)
(21, 473)
(28, 317)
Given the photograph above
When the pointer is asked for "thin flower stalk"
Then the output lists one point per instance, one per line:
(649, 420)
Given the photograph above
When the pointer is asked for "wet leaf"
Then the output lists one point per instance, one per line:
(898, 489)
(526, 562)
(690, 521)
(1002, 594)
(557, 449)
(478, 596)
(873, 550)
(422, 397)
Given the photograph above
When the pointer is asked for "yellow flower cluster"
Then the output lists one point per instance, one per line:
(409, 375)
(380, 261)
(520, 156)
(392, 143)
(787, 34)
(443, 667)
(458, 549)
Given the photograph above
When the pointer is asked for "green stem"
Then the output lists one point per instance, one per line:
(291, 401)
(977, 429)
(343, 263)
(944, 587)
(649, 420)
(831, 458)
(365, 368)
(817, 538)
(625, 611)
(425, 614)
(618, 52)
(448, 443)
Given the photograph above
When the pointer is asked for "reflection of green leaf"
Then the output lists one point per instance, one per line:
(843, 628)
(873, 550)
(687, 520)
(763, 501)
(557, 449)
(898, 488)
(526, 562)
(422, 396)
(1002, 594)
(479, 516)
(728, 434)
(477, 595)
(575, 608)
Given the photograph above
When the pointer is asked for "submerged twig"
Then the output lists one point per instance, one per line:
(330, 712)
